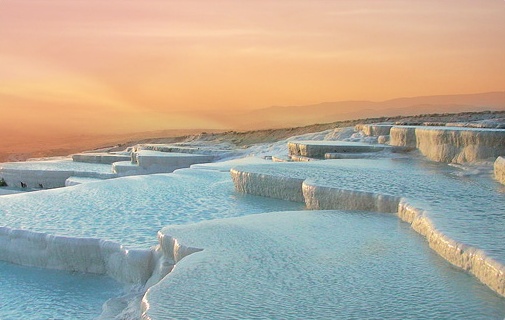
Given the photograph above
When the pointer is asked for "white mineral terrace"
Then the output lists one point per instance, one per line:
(90, 167)
(131, 210)
(225, 254)
(50, 174)
(318, 149)
(160, 161)
(499, 169)
(451, 144)
(105, 158)
(149, 162)
(215, 150)
(110, 227)
(429, 196)
(374, 129)
(312, 265)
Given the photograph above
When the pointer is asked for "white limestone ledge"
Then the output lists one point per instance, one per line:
(499, 169)
(153, 159)
(144, 267)
(383, 139)
(403, 136)
(451, 145)
(165, 255)
(318, 149)
(49, 174)
(317, 197)
(257, 184)
(296, 158)
(104, 158)
(45, 179)
(149, 162)
(127, 168)
(217, 151)
(75, 254)
(362, 155)
(475, 261)
(374, 130)
(167, 148)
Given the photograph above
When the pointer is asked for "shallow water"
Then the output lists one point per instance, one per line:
(345, 267)
(315, 265)
(127, 210)
(467, 206)
(58, 165)
(34, 293)
(131, 210)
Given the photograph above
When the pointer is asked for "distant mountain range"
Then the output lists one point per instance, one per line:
(18, 145)
(290, 116)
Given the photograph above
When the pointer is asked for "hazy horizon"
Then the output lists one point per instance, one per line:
(92, 67)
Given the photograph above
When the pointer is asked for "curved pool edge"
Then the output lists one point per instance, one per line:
(317, 197)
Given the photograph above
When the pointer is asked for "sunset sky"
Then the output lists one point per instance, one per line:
(96, 66)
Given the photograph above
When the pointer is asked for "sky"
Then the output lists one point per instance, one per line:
(95, 66)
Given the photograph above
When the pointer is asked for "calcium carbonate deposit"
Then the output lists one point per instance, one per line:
(314, 265)
(373, 233)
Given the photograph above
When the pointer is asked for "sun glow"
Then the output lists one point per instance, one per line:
(124, 66)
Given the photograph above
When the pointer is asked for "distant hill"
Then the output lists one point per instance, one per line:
(19, 148)
(285, 116)
(17, 145)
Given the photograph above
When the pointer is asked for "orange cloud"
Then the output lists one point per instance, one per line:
(103, 66)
